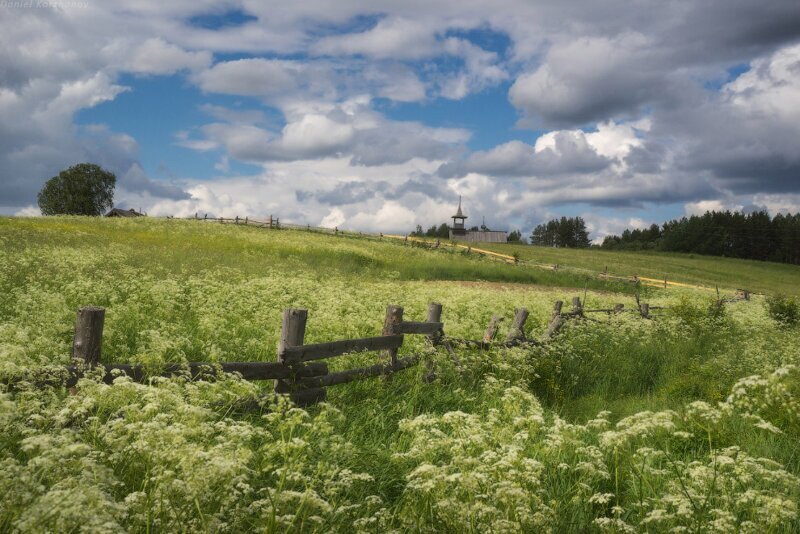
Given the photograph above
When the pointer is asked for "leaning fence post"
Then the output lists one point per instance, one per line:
(556, 322)
(645, 310)
(491, 330)
(394, 316)
(88, 340)
(517, 330)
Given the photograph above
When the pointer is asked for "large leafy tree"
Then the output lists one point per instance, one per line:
(83, 189)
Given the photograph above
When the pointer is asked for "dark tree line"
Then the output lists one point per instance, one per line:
(755, 236)
(442, 231)
(569, 232)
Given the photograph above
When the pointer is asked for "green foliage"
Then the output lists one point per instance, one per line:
(441, 231)
(753, 235)
(515, 236)
(783, 308)
(698, 314)
(83, 189)
(687, 422)
(568, 232)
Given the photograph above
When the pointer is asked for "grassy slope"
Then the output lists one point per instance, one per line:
(192, 290)
(174, 245)
(689, 268)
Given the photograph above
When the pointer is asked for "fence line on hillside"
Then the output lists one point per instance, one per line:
(275, 224)
(299, 371)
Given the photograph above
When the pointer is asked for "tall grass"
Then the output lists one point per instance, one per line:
(689, 421)
(195, 246)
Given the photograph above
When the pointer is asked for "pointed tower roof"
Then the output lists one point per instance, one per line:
(459, 214)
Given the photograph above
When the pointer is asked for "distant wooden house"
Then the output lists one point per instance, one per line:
(459, 231)
(117, 212)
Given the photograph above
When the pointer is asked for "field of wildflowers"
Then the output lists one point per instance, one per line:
(689, 422)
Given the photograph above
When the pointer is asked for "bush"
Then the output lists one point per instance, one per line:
(784, 309)
(695, 315)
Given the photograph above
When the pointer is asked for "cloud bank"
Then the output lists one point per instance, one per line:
(620, 109)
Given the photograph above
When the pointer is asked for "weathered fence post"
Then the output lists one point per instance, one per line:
(577, 307)
(517, 330)
(270, 222)
(645, 310)
(394, 316)
(742, 294)
(556, 322)
(237, 220)
(293, 331)
(88, 341)
(434, 316)
(491, 330)
(246, 220)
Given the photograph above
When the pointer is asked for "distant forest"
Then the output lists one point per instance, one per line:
(755, 236)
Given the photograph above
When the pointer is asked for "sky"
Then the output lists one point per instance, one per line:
(377, 116)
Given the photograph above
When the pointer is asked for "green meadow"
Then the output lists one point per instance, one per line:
(757, 276)
(686, 422)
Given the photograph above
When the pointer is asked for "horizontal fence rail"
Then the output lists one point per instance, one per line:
(331, 349)
(297, 371)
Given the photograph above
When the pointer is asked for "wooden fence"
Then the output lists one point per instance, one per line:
(299, 371)
(274, 223)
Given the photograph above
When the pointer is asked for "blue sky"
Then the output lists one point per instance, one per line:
(377, 116)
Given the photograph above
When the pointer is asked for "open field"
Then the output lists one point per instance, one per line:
(758, 276)
(688, 420)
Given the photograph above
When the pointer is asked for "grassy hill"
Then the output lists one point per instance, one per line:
(619, 423)
(181, 246)
(731, 273)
